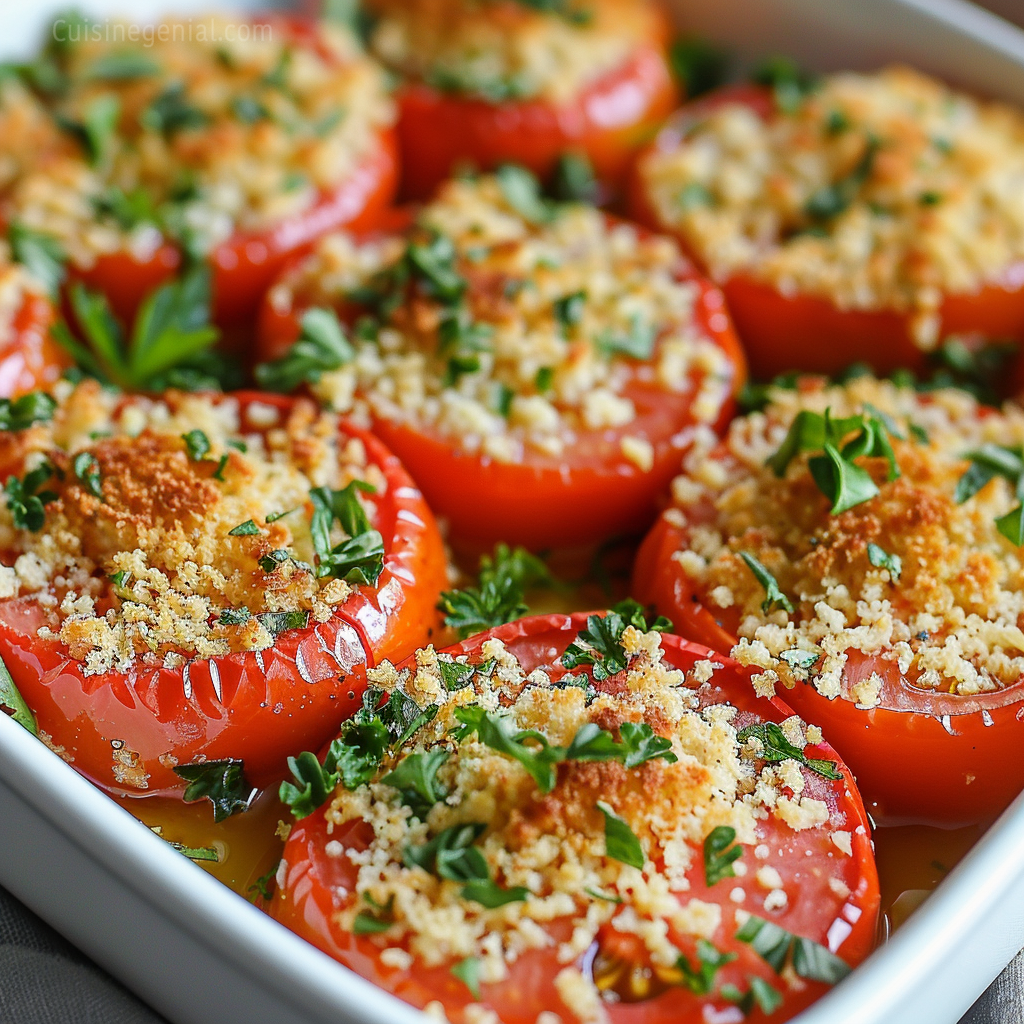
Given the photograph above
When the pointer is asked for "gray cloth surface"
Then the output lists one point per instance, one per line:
(45, 980)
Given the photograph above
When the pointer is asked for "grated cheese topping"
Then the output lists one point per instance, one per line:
(554, 844)
(139, 566)
(508, 49)
(218, 125)
(950, 620)
(544, 298)
(876, 191)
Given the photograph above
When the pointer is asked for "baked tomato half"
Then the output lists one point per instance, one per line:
(191, 579)
(240, 152)
(830, 217)
(538, 367)
(573, 815)
(880, 589)
(519, 83)
(30, 360)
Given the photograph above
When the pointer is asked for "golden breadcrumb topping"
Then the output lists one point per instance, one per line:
(155, 536)
(876, 191)
(564, 316)
(217, 125)
(911, 576)
(506, 50)
(552, 843)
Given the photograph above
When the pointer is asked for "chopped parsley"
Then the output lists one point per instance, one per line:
(574, 180)
(263, 887)
(830, 201)
(468, 972)
(637, 342)
(87, 469)
(621, 843)
(700, 980)
(196, 853)
(234, 616)
(95, 132)
(40, 254)
(359, 558)
(281, 622)
(639, 744)
(13, 704)
(988, 462)
(789, 84)
(171, 112)
(603, 639)
(760, 994)
(197, 444)
(569, 309)
(22, 413)
(521, 191)
(773, 594)
(171, 332)
(720, 853)
(881, 559)
(498, 596)
(246, 529)
(321, 347)
(698, 65)
(122, 66)
(776, 946)
(223, 783)
(415, 777)
(26, 501)
(772, 746)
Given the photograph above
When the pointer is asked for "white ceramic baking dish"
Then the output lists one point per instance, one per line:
(199, 953)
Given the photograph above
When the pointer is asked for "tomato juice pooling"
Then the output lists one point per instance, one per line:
(192, 578)
(538, 366)
(859, 547)
(571, 815)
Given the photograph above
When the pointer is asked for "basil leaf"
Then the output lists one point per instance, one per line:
(223, 783)
(773, 594)
(881, 559)
(775, 747)
(12, 702)
(40, 254)
(621, 843)
(719, 854)
(415, 778)
(321, 347)
(815, 963)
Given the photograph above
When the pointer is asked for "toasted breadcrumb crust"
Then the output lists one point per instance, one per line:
(508, 50)
(553, 844)
(143, 572)
(265, 126)
(933, 182)
(952, 619)
(517, 272)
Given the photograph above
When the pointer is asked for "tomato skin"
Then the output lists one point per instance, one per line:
(438, 132)
(31, 360)
(581, 499)
(909, 765)
(810, 333)
(309, 897)
(257, 706)
(246, 264)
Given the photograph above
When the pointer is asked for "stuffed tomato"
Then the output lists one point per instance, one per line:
(861, 548)
(239, 149)
(863, 219)
(538, 367)
(507, 81)
(193, 578)
(569, 815)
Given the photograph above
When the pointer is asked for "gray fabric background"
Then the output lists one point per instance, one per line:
(45, 980)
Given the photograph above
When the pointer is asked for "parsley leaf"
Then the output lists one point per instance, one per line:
(468, 972)
(21, 413)
(719, 854)
(96, 130)
(13, 704)
(775, 945)
(574, 180)
(498, 732)
(366, 923)
(767, 998)
(775, 747)
(639, 743)
(569, 309)
(42, 255)
(312, 786)
(122, 66)
(223, 783)
(789, 84)
(699, 65)
(455, 674)
(170, 112)
(881, 559)
(604, 650)
(621, 843)
(700, 980)
(521, 191)
(321, 347)
(637, 342)
(415, 777)
(87, 469)
(26, 501)
(988, 462)
(197, 444)
(264, 885)
(498, 596)
(280, 622)
(772, 591)
(635, 615)
(360, 558)
(831, 200)
(171, 329)
(246, 529)
(196, 853)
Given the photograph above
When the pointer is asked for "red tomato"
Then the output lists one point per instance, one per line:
(439, 131)
(919, 755)
(245, 265)
(256, 706)
(589, 494)
(31, 360)
(786, 332)
(316, 884)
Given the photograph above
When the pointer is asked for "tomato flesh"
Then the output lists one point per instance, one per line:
(316, 885)
(811, 333)
(31, 360)
(127, 731)
(439, 132)
(920, 755)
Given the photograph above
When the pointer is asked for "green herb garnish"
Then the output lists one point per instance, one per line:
(13, 704)
(700, 980)
(775, 946)
(773, 594)
(40, 254)
(320, 348)
(719, 854)
(223, 783)
(26, 501)
(621, 843)
(774, 747)
(21, 413)
(359, 558)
